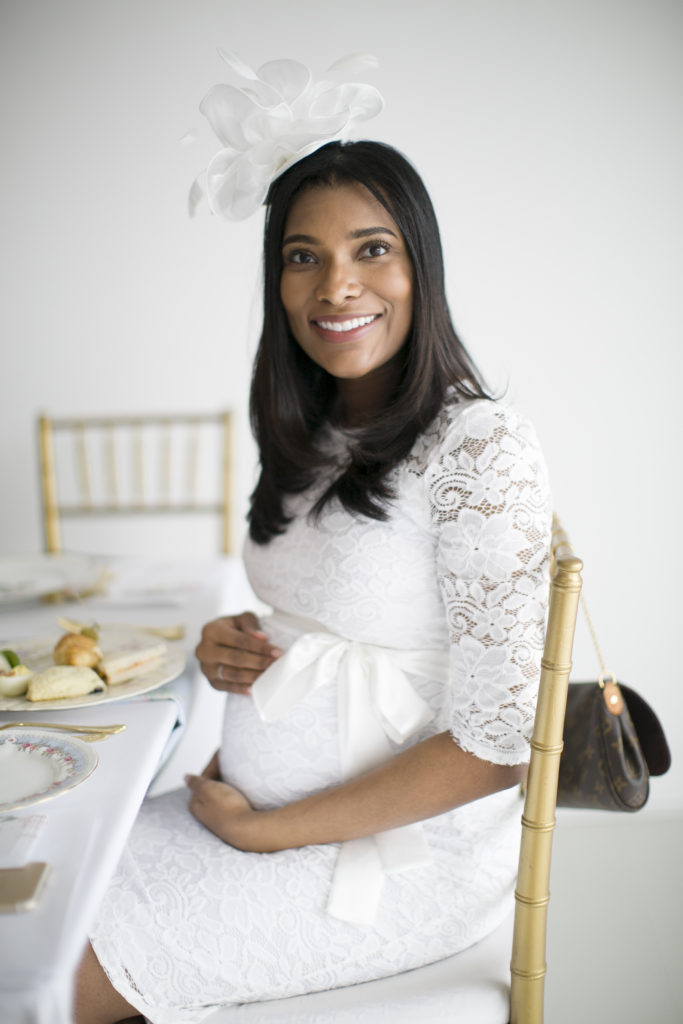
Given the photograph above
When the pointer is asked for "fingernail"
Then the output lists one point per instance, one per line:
(187, 779)
(275, 652)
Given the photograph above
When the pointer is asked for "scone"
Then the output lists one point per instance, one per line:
(63, 681)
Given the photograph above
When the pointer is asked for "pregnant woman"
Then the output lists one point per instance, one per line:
(361, 817)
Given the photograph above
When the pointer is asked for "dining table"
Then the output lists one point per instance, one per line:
(80, 832)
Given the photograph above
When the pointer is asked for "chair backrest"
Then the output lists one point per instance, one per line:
(150, 465)
(528, 965)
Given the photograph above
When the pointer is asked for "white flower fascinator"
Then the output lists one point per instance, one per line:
(276, 117)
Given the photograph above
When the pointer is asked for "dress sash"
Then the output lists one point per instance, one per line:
(376, 704)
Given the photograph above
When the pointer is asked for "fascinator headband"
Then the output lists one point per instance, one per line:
(278, 115)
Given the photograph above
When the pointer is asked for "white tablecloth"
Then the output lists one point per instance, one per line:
(87, 827)
(82, 841)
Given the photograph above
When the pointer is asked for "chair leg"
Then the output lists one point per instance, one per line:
(53, 543)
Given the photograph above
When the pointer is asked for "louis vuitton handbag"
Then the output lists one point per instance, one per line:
(613, 743)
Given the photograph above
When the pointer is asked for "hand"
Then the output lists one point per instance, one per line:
(234, 651)
(222, 808)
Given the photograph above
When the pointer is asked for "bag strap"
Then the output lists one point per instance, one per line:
(606, 675)
(607, 681)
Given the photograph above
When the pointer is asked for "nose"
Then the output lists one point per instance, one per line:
(338, 282)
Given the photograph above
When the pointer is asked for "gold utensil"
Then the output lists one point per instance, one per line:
(88, 733)
(165, 632)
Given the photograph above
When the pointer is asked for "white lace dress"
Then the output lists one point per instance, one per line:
(460, 566)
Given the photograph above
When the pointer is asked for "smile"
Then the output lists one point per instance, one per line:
(340, 326)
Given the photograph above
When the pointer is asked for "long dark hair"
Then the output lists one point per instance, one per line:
(292, 397)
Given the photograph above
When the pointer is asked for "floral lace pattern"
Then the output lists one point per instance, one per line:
(488, 492)
(190, 923)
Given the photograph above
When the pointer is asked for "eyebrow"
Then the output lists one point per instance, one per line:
(359, 233)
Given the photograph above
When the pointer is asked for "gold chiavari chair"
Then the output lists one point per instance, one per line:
(146, 465)
(532, 895)
(481, 985)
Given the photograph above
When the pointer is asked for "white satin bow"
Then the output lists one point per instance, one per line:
(376, 703)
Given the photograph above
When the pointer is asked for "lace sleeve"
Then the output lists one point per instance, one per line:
(490, 506)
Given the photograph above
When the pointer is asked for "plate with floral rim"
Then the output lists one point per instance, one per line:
(37, 765)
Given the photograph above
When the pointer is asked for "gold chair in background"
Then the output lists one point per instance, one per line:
(132, 466)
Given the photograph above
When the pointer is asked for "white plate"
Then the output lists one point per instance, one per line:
(24, 577)
(36, 765)
(37, 654)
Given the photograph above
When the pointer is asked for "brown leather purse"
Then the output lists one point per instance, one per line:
(613, 743)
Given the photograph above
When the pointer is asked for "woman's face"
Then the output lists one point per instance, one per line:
(347, 281)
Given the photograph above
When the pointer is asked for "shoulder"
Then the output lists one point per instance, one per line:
(464, 431)
(483, 456)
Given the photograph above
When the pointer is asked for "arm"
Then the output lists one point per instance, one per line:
(430, 778)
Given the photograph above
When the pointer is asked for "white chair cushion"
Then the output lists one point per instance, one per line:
(472, 987)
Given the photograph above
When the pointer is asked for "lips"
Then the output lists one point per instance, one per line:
(344, 328)
(341, 326)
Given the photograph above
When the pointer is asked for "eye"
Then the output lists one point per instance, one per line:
(299, 256)
(377, 247)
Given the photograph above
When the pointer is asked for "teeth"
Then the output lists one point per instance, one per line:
(346, 325)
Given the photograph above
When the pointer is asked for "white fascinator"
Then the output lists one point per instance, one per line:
(276, 116)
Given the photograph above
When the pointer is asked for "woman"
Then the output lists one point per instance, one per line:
(362, 815)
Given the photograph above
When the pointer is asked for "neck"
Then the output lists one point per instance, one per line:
(364, 397)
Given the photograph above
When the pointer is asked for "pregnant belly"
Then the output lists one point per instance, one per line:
(274, 763)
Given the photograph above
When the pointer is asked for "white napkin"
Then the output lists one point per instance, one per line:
(18, 836)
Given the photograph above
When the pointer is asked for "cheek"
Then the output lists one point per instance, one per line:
(285, 295)
(293, 315)
(398, 288)
(294, 299)
(403, 300)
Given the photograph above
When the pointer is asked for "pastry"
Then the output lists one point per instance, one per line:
(77, 649)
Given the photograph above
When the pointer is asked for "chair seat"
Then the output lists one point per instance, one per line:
(472, 987)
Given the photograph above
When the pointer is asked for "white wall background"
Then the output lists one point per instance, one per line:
(549, 134)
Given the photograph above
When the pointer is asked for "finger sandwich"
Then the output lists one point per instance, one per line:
(123, 661)
(63, 681)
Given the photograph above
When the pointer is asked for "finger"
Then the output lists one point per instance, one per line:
(225, 687)
(211, 657)
(220, 679)
(235, 657)
(194, 783)
(242, 688)
(197, 805)
(249, 623)
(228, 674)
(246, 623)
(215, 642)
(202, 788)
(243, 691)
